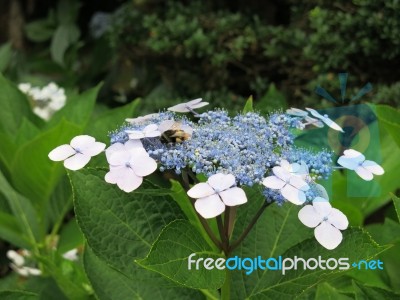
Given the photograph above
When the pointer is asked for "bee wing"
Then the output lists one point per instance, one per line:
(176, 126)
(166, 125)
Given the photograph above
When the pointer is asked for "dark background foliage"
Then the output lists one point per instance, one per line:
(223, 51)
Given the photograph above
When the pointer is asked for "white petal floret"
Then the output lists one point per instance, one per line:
(129, 163)
(326, 220)
(354, 160)
(188, 106)
(213, 195)
(78, 153)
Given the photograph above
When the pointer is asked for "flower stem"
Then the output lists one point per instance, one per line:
(226, 221)
(225, 241)
(250, 226)
(229, 221)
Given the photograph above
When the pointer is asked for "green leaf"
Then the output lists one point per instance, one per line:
(5, 56)
(326, 291)
(270, 237)
(40, 30)
(78, 109)
(272, 100)
(26, 132)
(70, 277)
(272, 284)
(33, 173)
(10, 230)
(396, 202)
(70, 237)
(106, 122)
(367, 196)
(248, 107)
(185, 240)
(59, 204)
(14, 108)
(7, 151)
(279, 233)
(107, 282)
(120, 227)
(363, 292)
(64, 36)
(18, 295)
(390, 118)
(23, 211)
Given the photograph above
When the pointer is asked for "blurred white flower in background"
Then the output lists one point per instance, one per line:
(71, 255)
(45, 101)
(18, 263)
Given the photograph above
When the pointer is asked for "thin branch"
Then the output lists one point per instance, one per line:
(226, 221)
(225, 242)
(250, 226)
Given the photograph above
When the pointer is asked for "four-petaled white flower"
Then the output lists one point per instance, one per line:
(325, 119)
(326, 220)
(188, 106)
(149, 131)
(292, 187)
(78, 153)
(213, 195)
(354, 160)
(129, 163)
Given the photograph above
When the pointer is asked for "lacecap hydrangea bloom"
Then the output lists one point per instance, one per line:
(247, 149)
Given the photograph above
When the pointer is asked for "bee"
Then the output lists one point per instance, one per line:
(174, 132)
